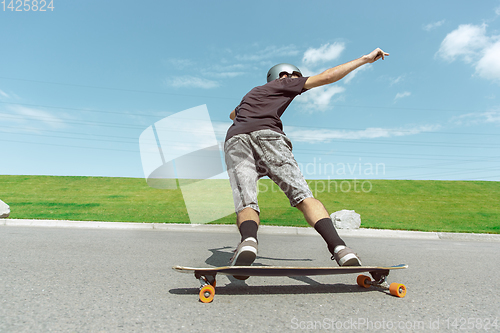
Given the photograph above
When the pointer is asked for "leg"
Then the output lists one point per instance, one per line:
(247, 214)
(317, 216)
(313, 210)
(247, 221)
(243, 177)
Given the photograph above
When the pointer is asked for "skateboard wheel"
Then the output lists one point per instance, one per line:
(207, 293)
(397, 289)
(363, 281)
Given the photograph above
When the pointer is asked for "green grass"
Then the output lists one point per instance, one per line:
(450, 206)
(90, 199)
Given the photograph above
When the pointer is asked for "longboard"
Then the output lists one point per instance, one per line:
(379, 274)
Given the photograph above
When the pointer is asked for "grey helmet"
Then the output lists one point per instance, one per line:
(275, 71)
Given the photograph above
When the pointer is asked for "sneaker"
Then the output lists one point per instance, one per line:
(244, 255)
(344, 256)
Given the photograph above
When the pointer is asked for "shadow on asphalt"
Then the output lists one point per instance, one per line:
(243, 289)
(221, 256)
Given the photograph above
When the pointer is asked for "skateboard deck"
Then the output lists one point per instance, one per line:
(379, 274)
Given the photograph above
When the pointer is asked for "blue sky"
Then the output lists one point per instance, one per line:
(79, 84)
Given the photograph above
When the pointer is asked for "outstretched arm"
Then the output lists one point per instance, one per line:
(338, 72)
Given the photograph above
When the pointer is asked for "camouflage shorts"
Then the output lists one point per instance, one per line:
(250, 157)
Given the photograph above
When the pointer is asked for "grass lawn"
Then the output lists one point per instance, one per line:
(451, 206)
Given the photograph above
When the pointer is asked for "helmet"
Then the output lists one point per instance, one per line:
(275, 71)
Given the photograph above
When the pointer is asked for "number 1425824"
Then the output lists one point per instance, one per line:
(27, 5)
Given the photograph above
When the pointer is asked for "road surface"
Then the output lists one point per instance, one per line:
(89, 280)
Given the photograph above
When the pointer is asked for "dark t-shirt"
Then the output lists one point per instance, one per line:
(263, 106)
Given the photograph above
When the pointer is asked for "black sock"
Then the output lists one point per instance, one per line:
(326, 229)
(248, 229)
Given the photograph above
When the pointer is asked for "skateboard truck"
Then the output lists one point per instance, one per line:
(395, 289)
(207, 288)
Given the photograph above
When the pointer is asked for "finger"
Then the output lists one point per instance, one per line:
(383, 54)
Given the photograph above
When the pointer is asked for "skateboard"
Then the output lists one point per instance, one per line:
(379, 274)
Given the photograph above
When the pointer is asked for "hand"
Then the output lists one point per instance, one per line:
(376, 55)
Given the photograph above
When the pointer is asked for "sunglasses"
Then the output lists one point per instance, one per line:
(288, 75)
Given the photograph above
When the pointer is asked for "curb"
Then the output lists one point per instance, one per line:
(264, 229)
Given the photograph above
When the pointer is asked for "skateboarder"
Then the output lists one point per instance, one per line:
(256, 146)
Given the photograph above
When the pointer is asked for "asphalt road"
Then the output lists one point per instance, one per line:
(87, 280)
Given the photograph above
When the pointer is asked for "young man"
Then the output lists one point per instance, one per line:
(256, 146)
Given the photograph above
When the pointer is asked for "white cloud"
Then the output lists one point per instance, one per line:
(306, 71)
(324, 53)
(432, 26)
(191, 82)
(497, 11)
(319, 98)
(226, 70)
(488, 66)
(298, 134)
(269, 52)
(466, 42)
(402, 95)
(225, 75)
(488, 117)
(181, 63)
(22, 114)
(492, 117)
(396, 80)
(3, 94)
(471, 44)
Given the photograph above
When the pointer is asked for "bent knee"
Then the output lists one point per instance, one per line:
(309, 203)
